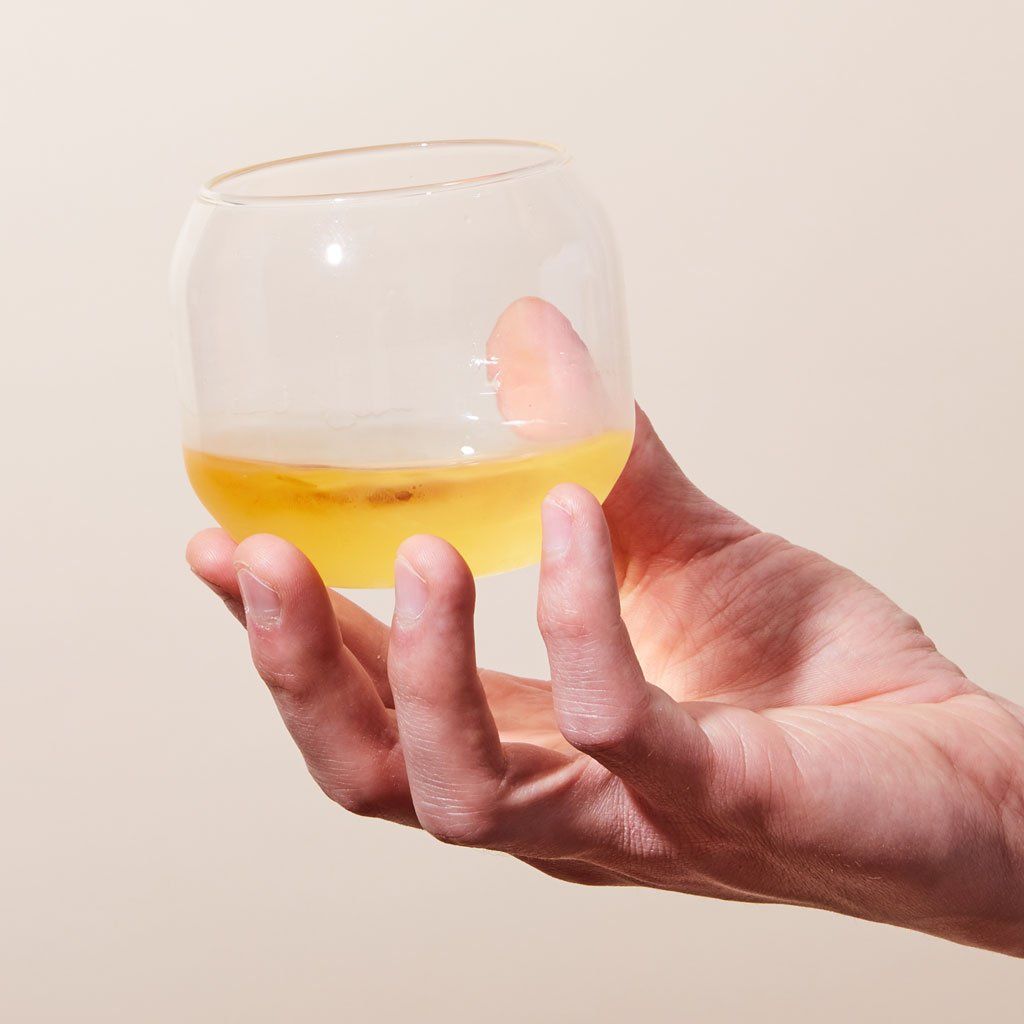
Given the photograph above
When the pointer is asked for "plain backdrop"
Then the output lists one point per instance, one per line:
(820, 213)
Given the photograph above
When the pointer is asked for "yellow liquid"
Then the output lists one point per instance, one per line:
(350, 521)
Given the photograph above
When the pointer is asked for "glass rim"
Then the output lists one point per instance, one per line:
(551, 155)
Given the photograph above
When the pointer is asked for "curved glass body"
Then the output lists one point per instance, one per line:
(421, 338)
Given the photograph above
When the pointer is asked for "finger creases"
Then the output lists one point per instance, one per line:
(603, 704)
(324, 695)
(453, 755)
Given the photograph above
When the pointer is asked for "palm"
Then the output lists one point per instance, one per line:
(748, 620)
(756, 625)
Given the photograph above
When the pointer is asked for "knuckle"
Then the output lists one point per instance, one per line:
(363, 787)
(359, 802)
(599, 731)
(464, 826)
(598, 735)
(280, 674)
(563, 620)
(281, 680)
(366, 801)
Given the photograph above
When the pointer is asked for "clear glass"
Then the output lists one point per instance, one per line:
(418, 338)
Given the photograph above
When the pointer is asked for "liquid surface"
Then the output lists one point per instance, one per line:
(350, 521)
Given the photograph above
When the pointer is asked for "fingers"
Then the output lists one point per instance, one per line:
(548, 388)
(325, 697)
(603, 704)
(367, 638)
(453, 755)
(467, 787)
(210, 555)
(547, 385)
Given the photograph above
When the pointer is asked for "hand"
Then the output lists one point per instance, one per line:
(728, 714)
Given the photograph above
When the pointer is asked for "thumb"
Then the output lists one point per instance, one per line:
(654, 508)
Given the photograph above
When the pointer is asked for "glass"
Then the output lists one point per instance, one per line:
(416, 338)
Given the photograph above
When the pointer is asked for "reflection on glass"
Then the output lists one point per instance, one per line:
(454, 350)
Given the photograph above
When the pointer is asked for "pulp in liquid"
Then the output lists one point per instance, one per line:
(350, 521)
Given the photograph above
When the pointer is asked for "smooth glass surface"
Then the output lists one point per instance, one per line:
(397, 340)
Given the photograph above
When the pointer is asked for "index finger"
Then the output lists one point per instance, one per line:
(210, 555)
(548, 386)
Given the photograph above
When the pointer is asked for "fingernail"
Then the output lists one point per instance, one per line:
(262, 605)
(557, 524)
(410, 591)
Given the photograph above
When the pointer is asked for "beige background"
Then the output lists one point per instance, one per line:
(820, 213)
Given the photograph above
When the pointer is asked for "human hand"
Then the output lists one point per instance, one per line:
(728, 714)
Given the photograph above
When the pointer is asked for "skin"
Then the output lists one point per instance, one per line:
(728, 714)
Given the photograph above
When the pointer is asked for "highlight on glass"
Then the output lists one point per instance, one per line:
(402, 339)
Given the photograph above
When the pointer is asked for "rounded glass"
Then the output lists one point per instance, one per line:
(417, 338)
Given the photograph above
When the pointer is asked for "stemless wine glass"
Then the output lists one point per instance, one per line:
(414, 338)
